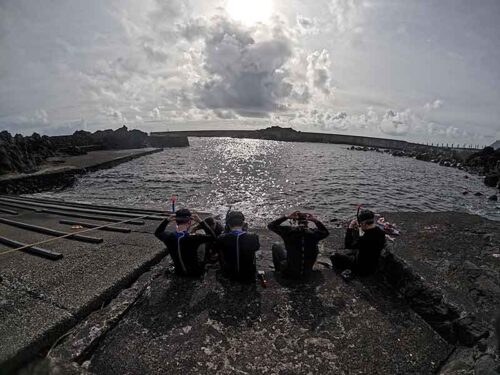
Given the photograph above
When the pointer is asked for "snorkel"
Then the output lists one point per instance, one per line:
(173, 198)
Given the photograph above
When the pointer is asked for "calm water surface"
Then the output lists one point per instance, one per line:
(267, 178)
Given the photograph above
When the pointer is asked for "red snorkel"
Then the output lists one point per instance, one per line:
(173, 198)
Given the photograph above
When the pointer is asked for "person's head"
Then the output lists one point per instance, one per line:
(366, 219)
(235, 219)
(301, 219)
(183, 217)
(210, 222)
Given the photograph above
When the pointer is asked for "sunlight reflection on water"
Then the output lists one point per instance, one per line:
(266, 178)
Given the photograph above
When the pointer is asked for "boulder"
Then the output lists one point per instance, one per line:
(491, 180)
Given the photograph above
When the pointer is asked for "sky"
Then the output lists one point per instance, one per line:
(421, 70)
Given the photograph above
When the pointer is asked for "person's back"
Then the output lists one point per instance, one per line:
(369, 247)
(301, 245)
(184, 247)
(363, 252)
(237, 250)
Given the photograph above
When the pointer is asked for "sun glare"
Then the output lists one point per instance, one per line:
(249, 11)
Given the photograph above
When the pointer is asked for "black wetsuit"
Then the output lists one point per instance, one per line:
(211, 251)
(183, 248)
(237, 255)
(364, 256)
(301, 247)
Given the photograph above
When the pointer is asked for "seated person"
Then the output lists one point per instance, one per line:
(364, 253)
(237, 249)
(184, 247)
(211, 255)
(296, 259)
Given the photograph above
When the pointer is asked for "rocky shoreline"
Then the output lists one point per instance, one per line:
(485, 162)
(19, 154)
(41, 163)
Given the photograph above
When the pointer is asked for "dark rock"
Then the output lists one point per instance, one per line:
(465, 193)
(478, 194)
(466, 176)
(470, 330)
(493, 197)
(491, 180)
(482, 345)
(486, 365)
(497, 331)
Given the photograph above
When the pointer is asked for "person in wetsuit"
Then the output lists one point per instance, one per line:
(363, 251)
(237, 249)
(183, 246)
(217, 228)
(296, 259)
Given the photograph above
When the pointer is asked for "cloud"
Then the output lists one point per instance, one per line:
(436, 104)
(345, 15)
(318, 71)
(243, 74)
(307, 26)
(396, 123)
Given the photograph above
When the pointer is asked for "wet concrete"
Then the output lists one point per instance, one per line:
(211, 325)
(165, 324)
(41, 299)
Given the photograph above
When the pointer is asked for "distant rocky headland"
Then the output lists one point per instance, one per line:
(24, 154)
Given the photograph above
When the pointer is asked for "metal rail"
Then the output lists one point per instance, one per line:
(49, 231)
(49, 254)
(92, 225)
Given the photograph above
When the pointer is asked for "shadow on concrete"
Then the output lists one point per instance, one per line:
(238, 302)
(307, 307)
(169, 307)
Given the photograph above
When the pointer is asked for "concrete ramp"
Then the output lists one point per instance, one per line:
(214, 326)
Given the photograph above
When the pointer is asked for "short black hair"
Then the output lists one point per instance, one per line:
(366, 217)
(182, 216)
(235, 219)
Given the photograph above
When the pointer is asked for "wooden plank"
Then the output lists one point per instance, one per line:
(91, 217)
(93, 225)
(49, 254)
(6, 211)
(84, 210)
(49, 231)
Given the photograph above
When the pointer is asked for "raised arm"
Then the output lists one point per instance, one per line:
(160, 231)
(276, 226)
(321, 230)
(210, 234)
(352, 236)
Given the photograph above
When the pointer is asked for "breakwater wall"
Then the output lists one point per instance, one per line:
(277, 133)
(60, 179)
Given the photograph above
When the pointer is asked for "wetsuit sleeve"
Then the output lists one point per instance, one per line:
(276, 226)
(351, 239)
(209, 236)
(160, 231)
(321, 230)
(257, 243)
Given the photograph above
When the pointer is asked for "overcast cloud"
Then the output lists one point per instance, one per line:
(423, 71)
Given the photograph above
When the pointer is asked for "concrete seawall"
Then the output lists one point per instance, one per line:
(64, 173)
(291, 135)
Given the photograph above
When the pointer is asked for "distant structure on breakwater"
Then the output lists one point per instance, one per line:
(277, 133)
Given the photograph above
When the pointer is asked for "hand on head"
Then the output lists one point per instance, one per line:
(353, 224)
